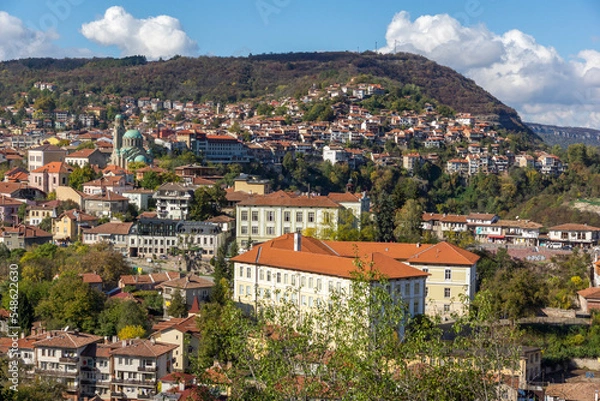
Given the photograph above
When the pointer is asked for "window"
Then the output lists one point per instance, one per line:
(255, 215)
(293, 279)
(285, 278)
(244, 229)
(248, 291)
(261, 274)
(298, 217)
(446, 292)
(241, 271)
(255, 230)
(248, 273)
(310, 282)
(417, 307)
(286, 230)
(270, 230)
(268, 275)
(407, 289)
(311, 217)
(425, 270)
(244, 215)
(319, 284)
(241, 289)
(270, 215)
(278, 277)
(417, 288)
(448, 274)
(330, 285)
(286, 216)
(446, 308)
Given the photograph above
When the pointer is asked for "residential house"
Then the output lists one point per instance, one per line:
(173, 201)
(93, 280)
(19, 190)
(589, 299)
(147, 281)
(69, 225)
(251, 184)
(220, 148)
(411, 161)
(23, 236)
(574, 234)
(137, 366)
(115, 233)
(106, 204)
(48, 177)
(9, 210)
(191, 287)
(138, 197)
(64, 193)
(116, 184)
(36, 213)
(92, 157)
(58, 357)
(335, 154)
(44, 154)
(182, 332)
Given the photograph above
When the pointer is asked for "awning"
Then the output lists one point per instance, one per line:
(490, 236)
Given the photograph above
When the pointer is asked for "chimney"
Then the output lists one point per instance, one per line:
(297, 242)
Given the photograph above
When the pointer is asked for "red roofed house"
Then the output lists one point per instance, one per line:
(183, 333)
(428, 278)
(23, 236)
(8, 210)
(82, 157)
(50, 176)
(589, 299)
(574, 234)
(190, 287)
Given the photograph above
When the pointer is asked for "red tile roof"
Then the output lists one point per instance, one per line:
(142, 348)
(111, 228)
(54, 168)
(574, 227)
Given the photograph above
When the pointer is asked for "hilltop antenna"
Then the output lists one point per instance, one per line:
(375, 46)
(395, 41)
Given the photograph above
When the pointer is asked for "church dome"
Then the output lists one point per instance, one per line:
(133, 134)
(141, 158)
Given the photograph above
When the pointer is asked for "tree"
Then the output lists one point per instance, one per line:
(383, 208)
(177, 306)
(81, 175)
(46, 224)
(151, 180)
(207, 202)
(129, 332)
(22, 212)
(71, 302)
(408, 222)
(352, 351)
(120, 314)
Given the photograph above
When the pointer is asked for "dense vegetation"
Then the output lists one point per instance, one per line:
(233, 79)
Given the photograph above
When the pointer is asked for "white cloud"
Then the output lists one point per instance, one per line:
(154, 37)
(512, 66)
(18, 41)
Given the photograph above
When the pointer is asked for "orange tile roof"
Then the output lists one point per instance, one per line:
(143, 348)
(301, 201)
(590, 293)
(191, 281)
(574, 227)
(330, 264)
(338, 197)
(111, 228)
(444, 253)
(91, 278)
(81, 153)
(54, 168)
(66, 339)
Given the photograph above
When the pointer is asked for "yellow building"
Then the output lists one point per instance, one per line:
(69, 225)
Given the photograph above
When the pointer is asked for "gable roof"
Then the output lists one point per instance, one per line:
(54, 168)
(143, 348)
(574, 227)
(324, 260)
(111, 228)
(300, 201)
(444, 253)
(188, 282)
(66, 339)
(82, 153)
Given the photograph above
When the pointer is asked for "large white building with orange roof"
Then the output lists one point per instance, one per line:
(311, 271)
(435, 279)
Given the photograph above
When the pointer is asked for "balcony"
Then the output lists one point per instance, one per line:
(69, 359)
(57, 373)
(141, 396)
(142, 383)
(147, 368)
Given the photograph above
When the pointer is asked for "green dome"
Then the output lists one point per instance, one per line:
(118, 117)
(133, 134)
(140, 158)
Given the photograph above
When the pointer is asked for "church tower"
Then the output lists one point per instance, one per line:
(118, 132)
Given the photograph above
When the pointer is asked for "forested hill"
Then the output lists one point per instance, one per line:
(236, 78)
(565, 136)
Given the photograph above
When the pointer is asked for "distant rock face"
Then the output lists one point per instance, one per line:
(565, 136)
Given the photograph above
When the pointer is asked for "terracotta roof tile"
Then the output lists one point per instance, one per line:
(301, 201)
(444, 253)
(191, 281)
(142, 348)
(111, 228)
(54, 168)
(574, 227)
(66, 339)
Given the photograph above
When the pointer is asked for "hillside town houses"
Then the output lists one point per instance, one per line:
(276, 231)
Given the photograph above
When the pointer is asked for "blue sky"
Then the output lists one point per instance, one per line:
(540, 57)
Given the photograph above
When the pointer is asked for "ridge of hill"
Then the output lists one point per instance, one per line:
(565, 136)
(231, 79)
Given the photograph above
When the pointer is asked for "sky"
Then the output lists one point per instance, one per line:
(540, 57)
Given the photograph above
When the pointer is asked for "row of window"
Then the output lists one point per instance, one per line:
(287, 216)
